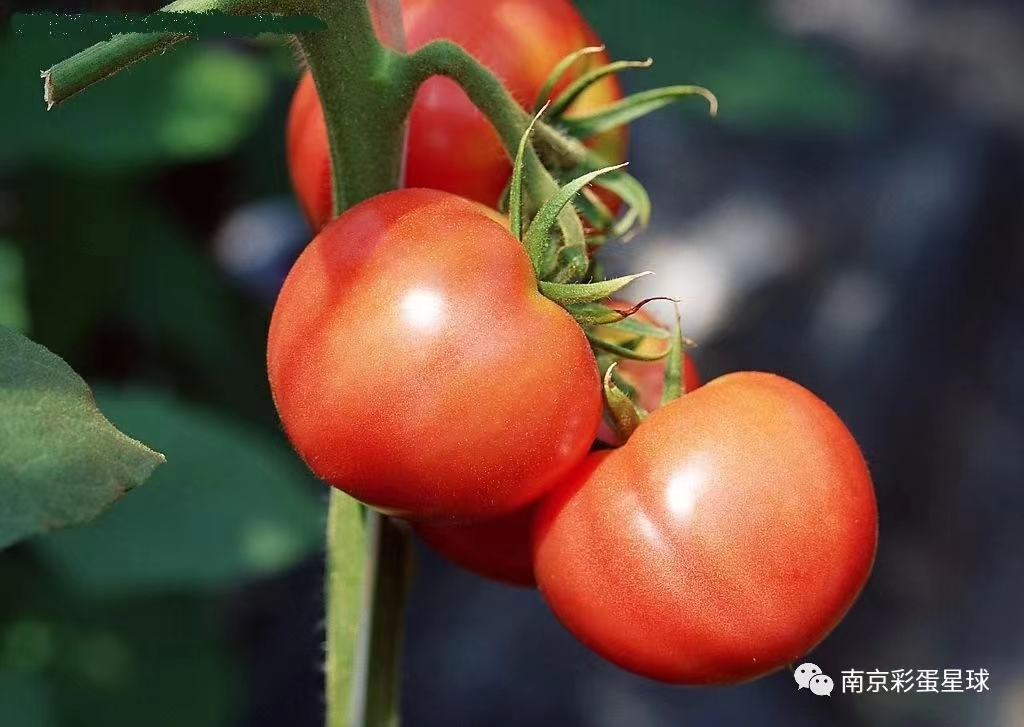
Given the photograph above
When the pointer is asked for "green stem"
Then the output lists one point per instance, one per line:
(444, 58)
(347, 593)
(65, 79)
(357, 79)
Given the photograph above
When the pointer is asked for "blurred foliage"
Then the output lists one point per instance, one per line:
(13, 306)
(61, 462)
(188, 103)
(67, 661)
(763, 79)
(230, 505)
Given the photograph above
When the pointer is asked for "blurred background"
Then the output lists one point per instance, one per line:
(854, 220)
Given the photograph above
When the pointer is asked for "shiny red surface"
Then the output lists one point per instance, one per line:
(415, 366)
(726, 539)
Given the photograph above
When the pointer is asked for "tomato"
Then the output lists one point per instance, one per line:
(647, 377)
(415, 365)
(451, 145)
(498, 548)
(725, 539)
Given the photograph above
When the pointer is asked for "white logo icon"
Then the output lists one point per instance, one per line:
(804, 673)
(821, 685)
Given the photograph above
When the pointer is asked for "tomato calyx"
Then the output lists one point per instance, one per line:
(632, 339)
(563, 148)
(626, 414)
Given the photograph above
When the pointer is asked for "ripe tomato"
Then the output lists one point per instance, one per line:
(647, 377)
(725, 539)
(451, 144)
(498, 548)
(415, 365)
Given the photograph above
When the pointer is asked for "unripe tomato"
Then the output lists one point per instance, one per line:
(498, 548)
(647, 377)
(451, 145)
(415, 365)
(725, 539)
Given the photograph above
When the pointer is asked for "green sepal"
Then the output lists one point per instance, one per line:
(570, 294)
(589, 315)
(632, 108)
(515, 189)
(560, 70)
(573, 264)
(675, 380)
(639, 328)
(622, 351)
(539, 234)
(633, 194)
(595, 212)
(625, 417)
(581, 84)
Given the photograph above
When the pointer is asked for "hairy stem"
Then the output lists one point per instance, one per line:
(74, 74)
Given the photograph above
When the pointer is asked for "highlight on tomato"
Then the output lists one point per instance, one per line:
(415, 365)
(727, 537)
(451, 145)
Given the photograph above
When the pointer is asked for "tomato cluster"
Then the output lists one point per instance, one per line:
(417, 366)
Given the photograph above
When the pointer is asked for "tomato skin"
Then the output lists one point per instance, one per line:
(415, 365)
(647, 377)
(451, 145)
(498, 548)
(309, 160)
(725, 539)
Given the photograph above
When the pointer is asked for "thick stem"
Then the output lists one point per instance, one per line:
(355, 76)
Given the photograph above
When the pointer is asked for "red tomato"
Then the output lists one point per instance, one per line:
(498, 549)
(451, 145)
(415, 365)
(647, 377)
(725, 539)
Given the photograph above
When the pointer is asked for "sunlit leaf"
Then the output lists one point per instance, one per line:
(61, 462)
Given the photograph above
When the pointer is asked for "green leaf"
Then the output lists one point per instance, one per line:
(61, 462)
(233, 504)
(187, 104)
(13, 310)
